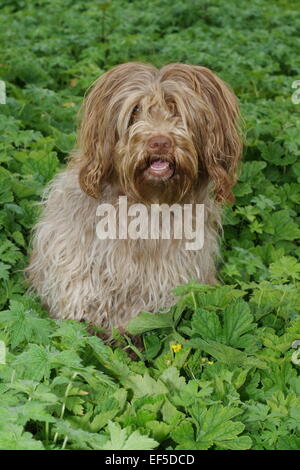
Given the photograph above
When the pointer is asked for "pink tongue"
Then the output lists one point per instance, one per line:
(159, 164)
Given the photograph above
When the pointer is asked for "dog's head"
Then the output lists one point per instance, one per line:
(159, 134)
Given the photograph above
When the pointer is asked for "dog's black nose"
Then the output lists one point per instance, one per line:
(159, 144)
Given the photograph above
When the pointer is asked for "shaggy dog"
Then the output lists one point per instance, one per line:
(155, 136)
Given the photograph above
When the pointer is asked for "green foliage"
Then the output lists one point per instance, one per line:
(219, 370)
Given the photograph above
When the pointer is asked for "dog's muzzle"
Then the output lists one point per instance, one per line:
(161, 162)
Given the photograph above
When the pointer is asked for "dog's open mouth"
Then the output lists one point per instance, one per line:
(161, 168)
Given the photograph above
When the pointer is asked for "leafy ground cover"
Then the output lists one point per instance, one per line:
(221, 369)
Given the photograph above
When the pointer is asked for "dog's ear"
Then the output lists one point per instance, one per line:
(212, 112)
(98, 132)
(220, 143)
(96, 137)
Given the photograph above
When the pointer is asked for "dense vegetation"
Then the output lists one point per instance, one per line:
(219, 370)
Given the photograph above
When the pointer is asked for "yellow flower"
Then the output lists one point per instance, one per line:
(69, 105)
(176, 347)
(210, 362)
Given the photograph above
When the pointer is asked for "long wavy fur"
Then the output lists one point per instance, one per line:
(107, 282)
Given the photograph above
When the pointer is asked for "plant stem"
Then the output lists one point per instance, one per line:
(64, 404)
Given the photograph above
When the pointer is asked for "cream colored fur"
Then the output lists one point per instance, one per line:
(107, 282)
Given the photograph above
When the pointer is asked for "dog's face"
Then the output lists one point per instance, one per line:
(159, 134)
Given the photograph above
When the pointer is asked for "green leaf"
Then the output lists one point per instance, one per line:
(123, 439)
(6, 194)
(274, 153)
(35, 361)
(251, 170)
(9, 252)
(159, 430)
(285, 267)
(240, 443)
(226, 354)
(242, 189)
(170, 377)
(184, 435)
(171, 415)
(214, 425)
(98, 347)
(66, 358)
(288, 443)
(147, 321)
(106, 411)
(207, 325)
(144, 385)
(34, 410)
(237, 321)
(281, 226)
(14, 438)
(25, 324)
(41, 163)
(152, 345)
(4, 271)
(19, 238)
(82, 439)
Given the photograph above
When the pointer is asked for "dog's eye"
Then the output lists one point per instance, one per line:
(173, 108)
(136, 109)
(134, 114)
